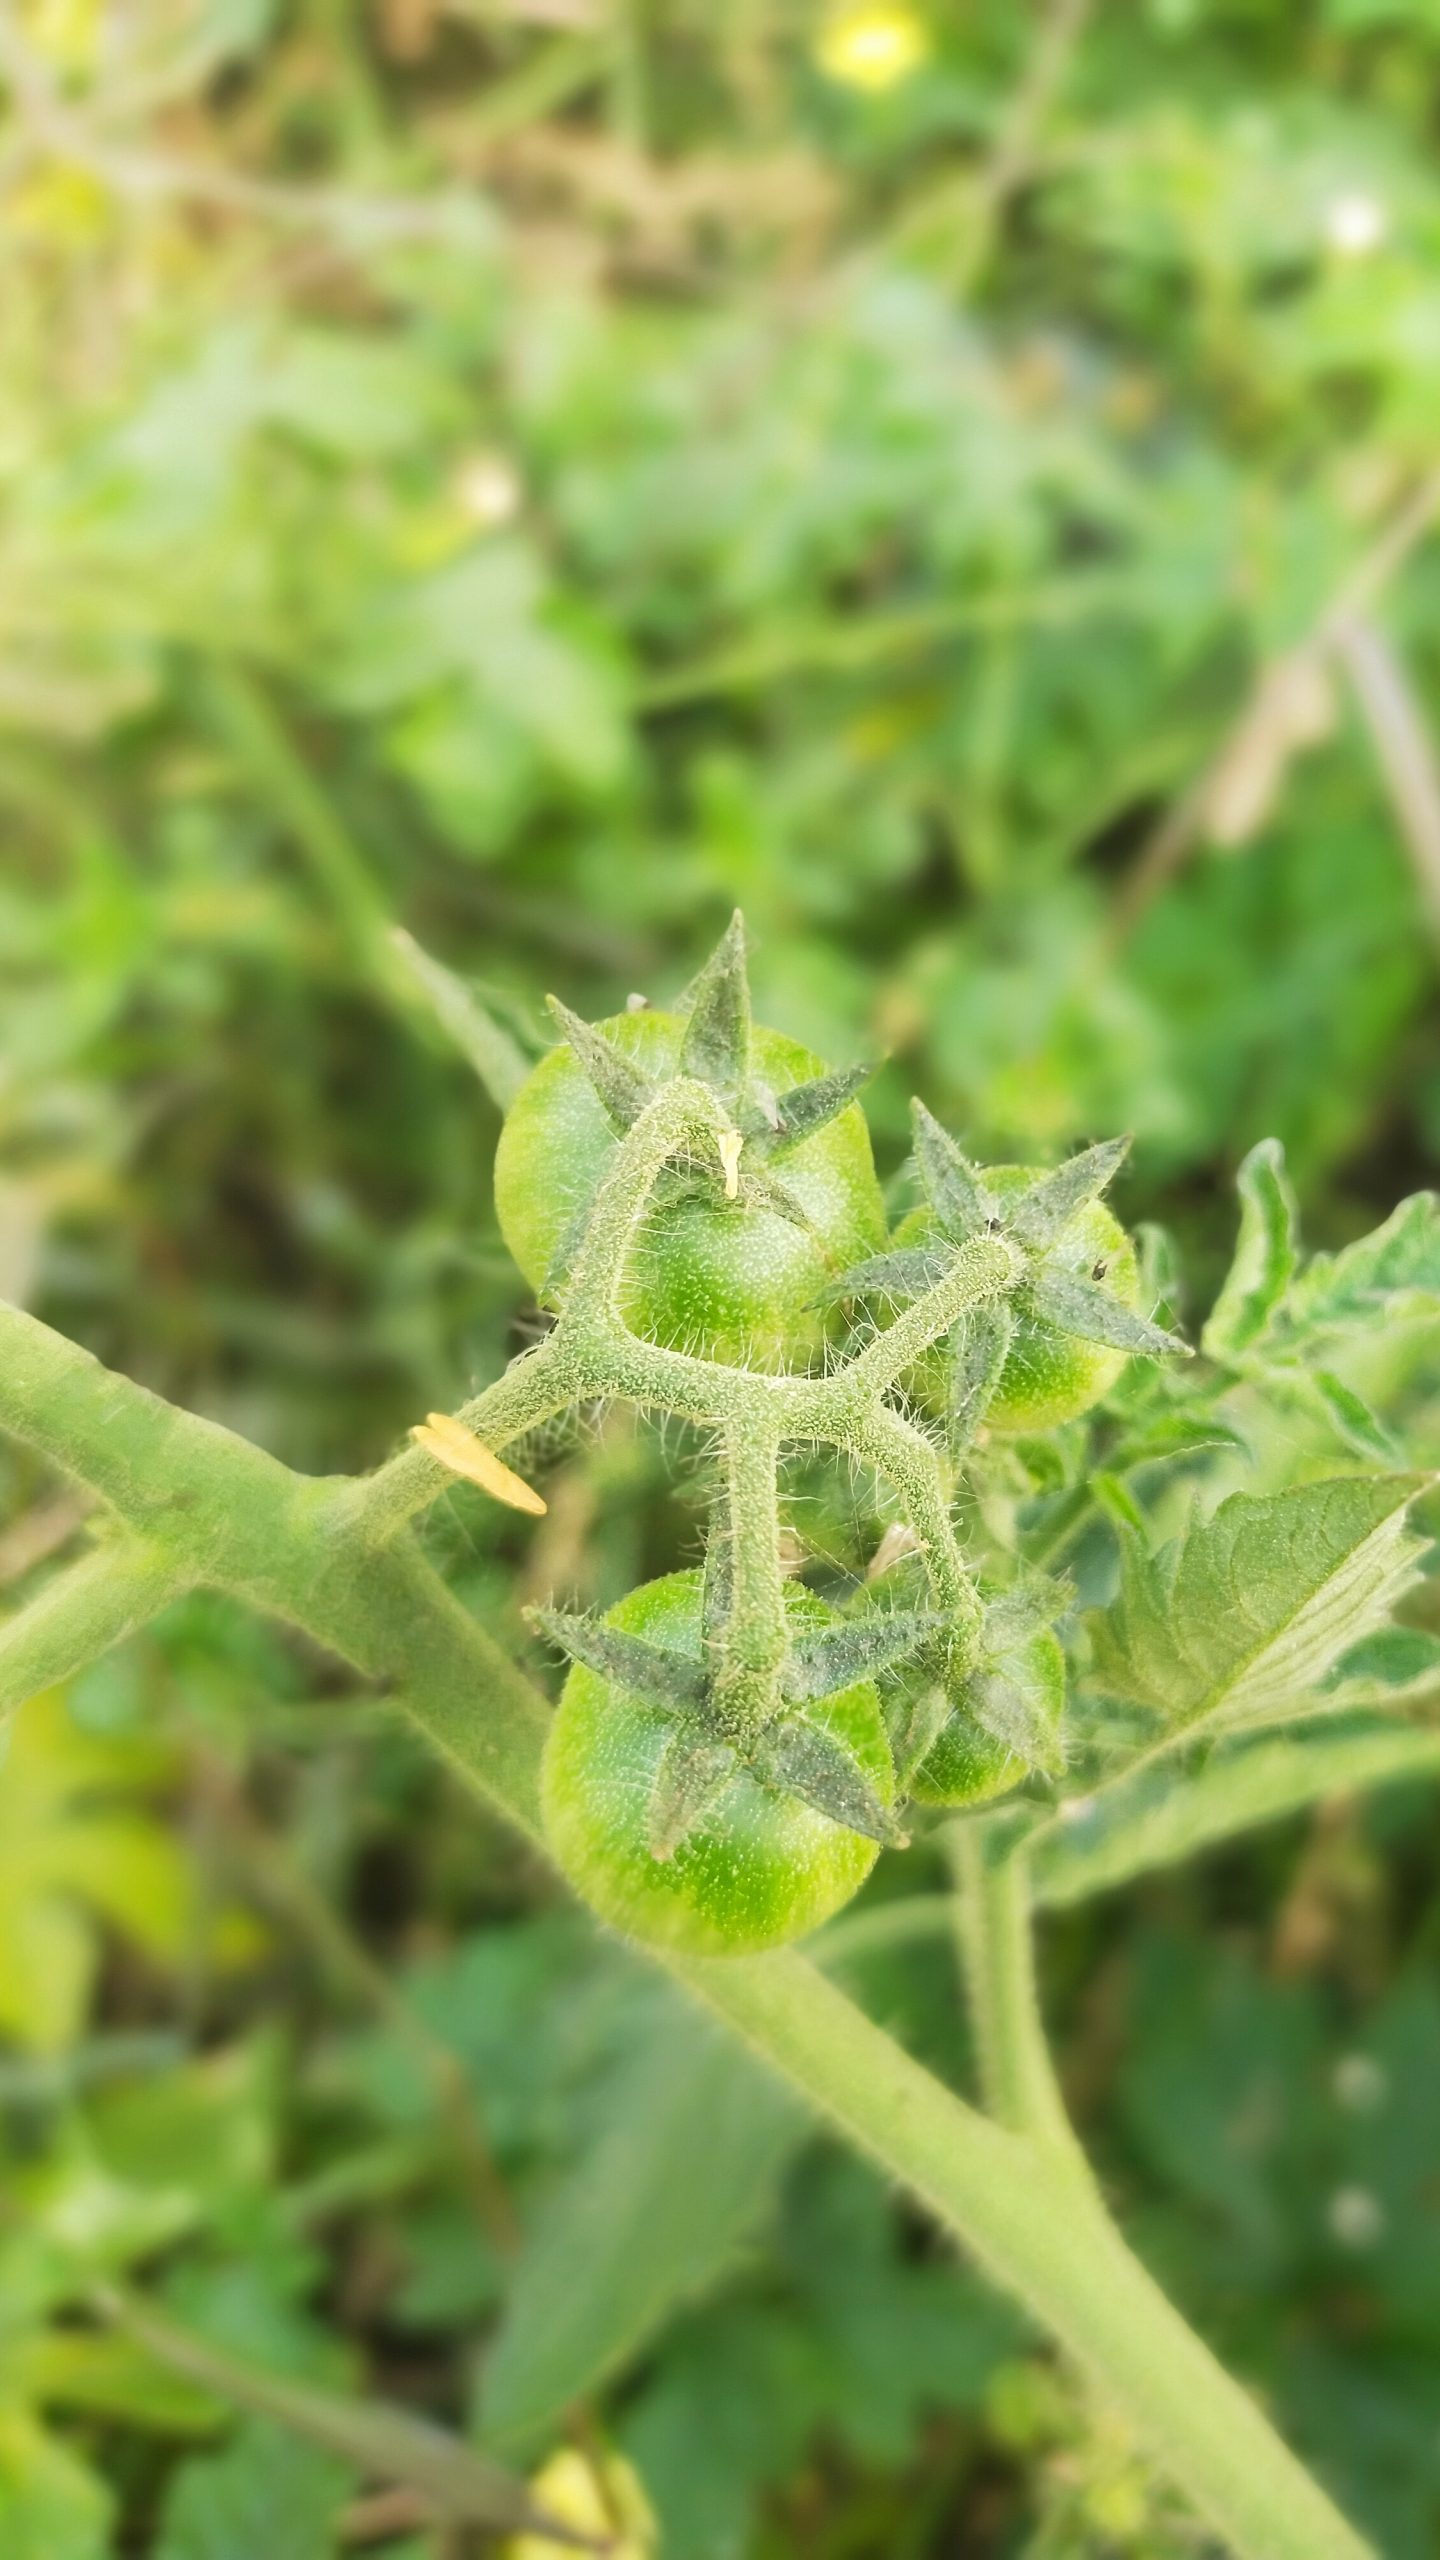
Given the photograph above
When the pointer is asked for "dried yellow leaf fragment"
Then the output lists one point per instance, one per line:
(730, 1142)
(459, 1450)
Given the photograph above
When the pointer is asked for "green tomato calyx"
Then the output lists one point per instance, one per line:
(1036, 1218)
(786, 1751)
(997, 1720)
(716, 1051)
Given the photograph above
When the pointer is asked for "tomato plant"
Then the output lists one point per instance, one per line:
(734, 1747)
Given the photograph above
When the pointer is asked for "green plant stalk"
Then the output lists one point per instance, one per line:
(234, 1517)
(996, 1946)
(752, 1645)
(81, 1612)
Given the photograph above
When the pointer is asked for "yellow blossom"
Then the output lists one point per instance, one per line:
(872, 44)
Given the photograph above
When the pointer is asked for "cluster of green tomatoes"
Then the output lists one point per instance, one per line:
(716, 1837)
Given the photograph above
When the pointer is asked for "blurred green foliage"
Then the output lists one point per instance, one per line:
(539, 472)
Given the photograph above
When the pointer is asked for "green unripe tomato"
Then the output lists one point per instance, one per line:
(1049, 1376)
(759, 1867)
(729, 1282)
(967, 1765)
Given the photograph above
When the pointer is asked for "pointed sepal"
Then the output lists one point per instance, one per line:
(981, 1346)
(757, 1189)
(904, 1274)
(951, 1185)
(827, 1659)
(808, 1107)
(1039, 1215)
(808, 1762)
(693, 1770)
(716, 1046)
(1094, 1315)
(1008, 1715)
(623, 1087)
(916, 1728)
(651, 1672)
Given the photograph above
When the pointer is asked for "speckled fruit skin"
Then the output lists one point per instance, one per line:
(1049, 1376)
(759, 1868)
(731, 1283)
(967, 1765)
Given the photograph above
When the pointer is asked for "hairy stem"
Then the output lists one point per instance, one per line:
(752, 1643)
(909, 1462)
(1017, 2078)
(81, 1612)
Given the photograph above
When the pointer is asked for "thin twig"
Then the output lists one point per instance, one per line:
(1170, 845)
(1403, 748)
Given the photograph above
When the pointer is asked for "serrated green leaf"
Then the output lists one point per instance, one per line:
(692, 2140)
(1043, 1212)
(1265, 1254)
(1170, 1812)
(1395, 1271)
(952, 1186)
(1246, 1612)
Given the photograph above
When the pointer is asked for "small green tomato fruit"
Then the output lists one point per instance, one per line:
(968, 1765)
(725, 1280)
(1049, 1376)
(758, 1868)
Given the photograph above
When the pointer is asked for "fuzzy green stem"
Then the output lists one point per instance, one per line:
(81, 1612)
(1039, 2232)
(1017, 2078)
(752, 1645)
(983, 1269)
(683, 1115)
(909, 1462)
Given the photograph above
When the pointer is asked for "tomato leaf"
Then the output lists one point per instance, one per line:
(1246, 1611)
(1162, 1814)
(1266, 1251)
(689, 2144)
